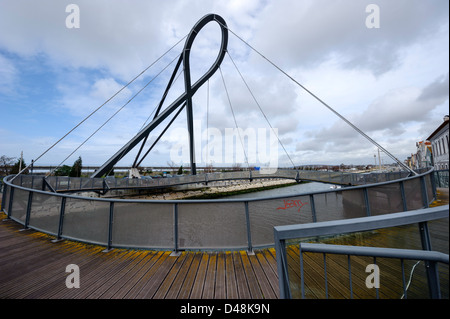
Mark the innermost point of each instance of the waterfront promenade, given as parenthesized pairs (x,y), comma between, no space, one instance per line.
(32,266)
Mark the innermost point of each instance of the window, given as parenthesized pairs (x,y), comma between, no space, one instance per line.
(446,136)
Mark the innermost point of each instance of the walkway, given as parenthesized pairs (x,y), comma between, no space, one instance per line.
(32,266)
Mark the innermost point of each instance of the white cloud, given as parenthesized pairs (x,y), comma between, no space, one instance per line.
(8,75)
(308,33)
(392,82)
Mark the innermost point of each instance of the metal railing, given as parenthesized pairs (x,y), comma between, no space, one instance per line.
(103,185)
(441,178)
(197,224)
(422,216)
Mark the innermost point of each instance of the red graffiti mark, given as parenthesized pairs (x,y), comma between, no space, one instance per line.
(292,203)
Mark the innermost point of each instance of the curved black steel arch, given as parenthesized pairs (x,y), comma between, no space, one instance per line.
(183,100)
(190,90)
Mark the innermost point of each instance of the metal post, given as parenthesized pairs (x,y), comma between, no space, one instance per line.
(4,197)
(110,226)
(402,191)
(433,185)
(366,201)
(175,252)
(431,267)
(424,192)
(249,234)
(302,273)
(11,199)
(61,219)
(283,277)
(313,207)
(27,217)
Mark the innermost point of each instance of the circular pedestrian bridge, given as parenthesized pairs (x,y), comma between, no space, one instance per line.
(58,206)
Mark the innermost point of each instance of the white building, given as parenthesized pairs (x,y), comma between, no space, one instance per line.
(440,145)
(423,156)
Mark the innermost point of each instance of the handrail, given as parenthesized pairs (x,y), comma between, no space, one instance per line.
(360,224)
(6,180)
(421,216)
(412,254)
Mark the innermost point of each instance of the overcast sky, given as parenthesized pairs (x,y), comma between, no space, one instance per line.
(391,81)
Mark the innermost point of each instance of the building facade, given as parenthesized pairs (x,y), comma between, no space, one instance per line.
(440,145)
(423,157)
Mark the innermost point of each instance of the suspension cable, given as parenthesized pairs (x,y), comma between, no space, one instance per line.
(115,113)
(259,106)
(234,117)
(98,108)
(323,103)
(154,110)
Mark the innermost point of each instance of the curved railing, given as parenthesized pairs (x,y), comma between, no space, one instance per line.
(80,184)
(198,224)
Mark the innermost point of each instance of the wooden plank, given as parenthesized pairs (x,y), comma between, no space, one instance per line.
(170,277)
(110,275)
(123,283)
(243,289)
(143,277)
(220,287)
(188,283)
(255,291)
(294,269)
(157,278)
(122,270)
(92,274)
(180,278)
(230,277)
(262,279)
(210,279)
(197,289)
(271,275)
(36,283)
(135,282)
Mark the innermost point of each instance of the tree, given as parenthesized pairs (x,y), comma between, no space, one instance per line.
(5,165)
(180,170)
(18,166)
(63,170)
(75,171)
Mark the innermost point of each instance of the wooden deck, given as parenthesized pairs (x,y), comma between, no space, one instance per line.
(32,266)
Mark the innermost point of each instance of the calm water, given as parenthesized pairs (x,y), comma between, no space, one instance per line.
(289,190)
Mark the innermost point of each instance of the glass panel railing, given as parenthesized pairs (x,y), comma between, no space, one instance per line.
(265,214)
(385,199)
(143,225)
(45,212)
(212,225)
(86,220)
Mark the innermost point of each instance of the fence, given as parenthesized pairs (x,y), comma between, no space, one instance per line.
(441,178)
(196,224)
(431,258)
(103,185)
